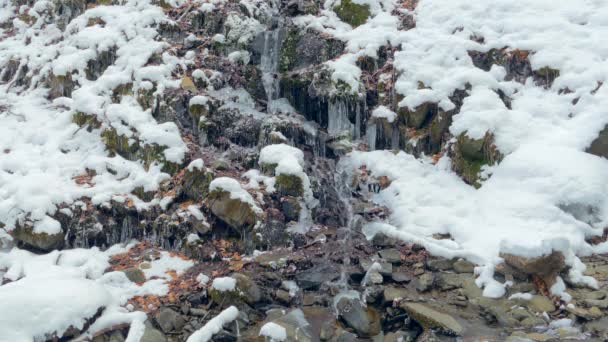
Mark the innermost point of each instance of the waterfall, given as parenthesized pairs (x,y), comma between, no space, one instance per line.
(269,64)
(337,117)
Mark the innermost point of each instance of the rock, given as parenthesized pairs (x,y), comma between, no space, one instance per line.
(364,320)
(439,264)
(296,326)
(390,255)
(352,13)
(196,183)
(401,277)
(291,208)
(547,267)
(233,211)
(599,146)
(25,234)
(463,266)
(152,335)
(425,282)
(250,292)
(430,318)
(598,327)
(135,275)
(588,314)
(391,293)
(400,336)
(169,320)
(450,281)
(600,303)
(312,278)
(188,85)
(289,185)
(539,304)
(382,240)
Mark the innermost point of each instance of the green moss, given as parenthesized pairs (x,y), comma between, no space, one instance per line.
(351,13)
(147,154)
(288,50)
(197,111)
(289,185)
(87,121)
(471,149)
(196,183)
(268,168)
(416,118)
(470,171)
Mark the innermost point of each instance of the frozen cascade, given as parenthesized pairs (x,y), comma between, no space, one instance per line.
(269,63)
(337,117)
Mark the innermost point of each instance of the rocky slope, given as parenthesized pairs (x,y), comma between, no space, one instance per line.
(313,171)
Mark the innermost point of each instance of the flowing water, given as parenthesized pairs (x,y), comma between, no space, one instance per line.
(269,64)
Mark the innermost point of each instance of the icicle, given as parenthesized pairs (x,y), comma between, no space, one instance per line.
(371,132)
(337,117)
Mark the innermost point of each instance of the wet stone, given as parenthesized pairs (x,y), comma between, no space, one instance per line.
(314,277)
(424,282)
(401,277)
(391,255)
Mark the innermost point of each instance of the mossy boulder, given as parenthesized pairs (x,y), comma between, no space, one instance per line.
(470,156)
(417,117)
(289,185)
(196,183)
(87,121)
(352,13)
(197,111)
(25,235)
(133,150)
(234,212)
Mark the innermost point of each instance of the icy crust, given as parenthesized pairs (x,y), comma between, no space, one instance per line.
(69,288)
(42,149)
(527,208)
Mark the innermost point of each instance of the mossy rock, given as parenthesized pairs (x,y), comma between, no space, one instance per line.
(548,73)
(188,84)
(225,298)
(419,116)
(471,149)
(599,146)
(234,212)
(142,194)
(287,56)
(197,111)
(289,185)
(351,13)
(268,168)
(39,241)
(87,121)
(196,183)
(147,154)
(60,85)
(469,171)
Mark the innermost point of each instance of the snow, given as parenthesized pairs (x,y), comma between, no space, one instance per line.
(520,207)
(384,112)
(42,149)
(224,284)
(274,332)
(519,295)
(196,164)
(235,189)
(198,99)
(159,267)
(67,288)
(215,325)
(47,225)
(202,279)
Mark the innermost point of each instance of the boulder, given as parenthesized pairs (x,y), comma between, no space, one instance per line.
(39,241)
(430,318)
(546,267)
(169,320)
(233,211)
(365,320)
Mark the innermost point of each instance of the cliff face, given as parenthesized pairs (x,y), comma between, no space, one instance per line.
(220,128)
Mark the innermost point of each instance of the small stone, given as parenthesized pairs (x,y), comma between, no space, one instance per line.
(391,293)
(463,266)
(439,264)
(314,277)
(135,275)
(152,335)
(401,277)
(424,282)
(539,304)
(391,255)
(283,296)
(400,336)
(382,240)
(145,265)
(364,320)
(169,320)
(198,312)
(375,277)
(187,84)
(249,290)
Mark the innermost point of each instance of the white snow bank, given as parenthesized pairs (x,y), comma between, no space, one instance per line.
(224,284)
(196,164)
(530,206)
(235,189)
(289,159)
(54,305)
(159,267)
(275,332)
(215,325)
(66,288)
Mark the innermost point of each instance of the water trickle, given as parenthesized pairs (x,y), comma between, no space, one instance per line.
(371,136)
(349,219)
(337,117)
(269,64)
